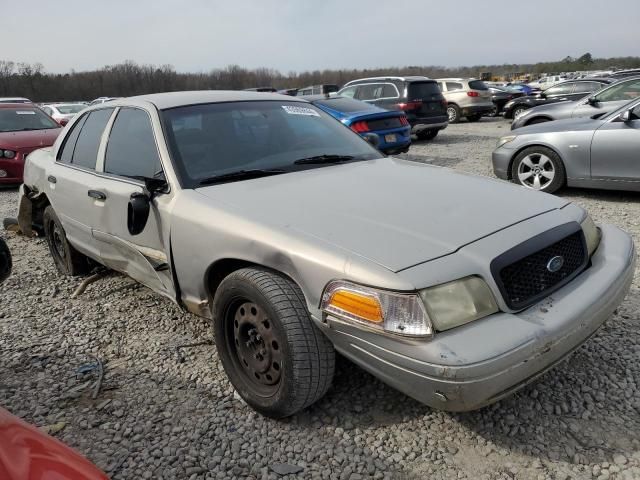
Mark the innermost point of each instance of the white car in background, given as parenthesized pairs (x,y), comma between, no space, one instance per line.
(63,112)
(547,81)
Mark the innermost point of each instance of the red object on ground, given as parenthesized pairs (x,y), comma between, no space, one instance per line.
(27,453)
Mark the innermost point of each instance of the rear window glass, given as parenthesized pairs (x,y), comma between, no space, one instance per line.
(477,85)
(86,151)
(423,90)
(346,105)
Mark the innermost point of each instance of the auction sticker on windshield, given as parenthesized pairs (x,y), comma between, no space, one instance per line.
(300,111)
(25,112)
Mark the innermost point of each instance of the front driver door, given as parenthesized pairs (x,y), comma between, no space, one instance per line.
(614,150)
(131,154)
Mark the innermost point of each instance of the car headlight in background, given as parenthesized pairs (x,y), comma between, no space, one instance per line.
(591,234)
(387,312)
(7,153)
(504,140)
(455,303)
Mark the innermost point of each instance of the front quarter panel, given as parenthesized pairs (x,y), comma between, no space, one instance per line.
(205,231)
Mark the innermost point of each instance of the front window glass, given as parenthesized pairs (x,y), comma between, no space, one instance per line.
(24,119)
(556,90)
(626,90)
(131,149)
(220,138)
(348,92)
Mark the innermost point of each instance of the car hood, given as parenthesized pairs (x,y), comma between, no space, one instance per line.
(566,125)
(396,213)
(30,139)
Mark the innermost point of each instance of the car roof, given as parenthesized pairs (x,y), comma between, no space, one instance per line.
(195,97)
(18,105)
(411,78)
(468,79)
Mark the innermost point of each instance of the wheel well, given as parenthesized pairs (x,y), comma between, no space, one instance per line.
(219,270)
(518,152)
(539,117)
(39,201)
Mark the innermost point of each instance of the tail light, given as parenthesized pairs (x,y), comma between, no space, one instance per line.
(413,105)
(404,121)
(473,94)
(360,127)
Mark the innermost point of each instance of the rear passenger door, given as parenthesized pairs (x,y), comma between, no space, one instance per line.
(72,183)
(131,154)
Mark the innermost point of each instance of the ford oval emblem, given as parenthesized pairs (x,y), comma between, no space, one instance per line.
(555,263)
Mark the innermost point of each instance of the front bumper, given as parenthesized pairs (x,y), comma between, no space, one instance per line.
(437,122)
(477,364)
(501,160)
(11,170)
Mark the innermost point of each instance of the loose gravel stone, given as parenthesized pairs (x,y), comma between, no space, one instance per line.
(157,417)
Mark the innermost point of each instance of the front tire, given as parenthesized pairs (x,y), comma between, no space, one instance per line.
(274,355)
(67,259)
(518,111)
(538,168)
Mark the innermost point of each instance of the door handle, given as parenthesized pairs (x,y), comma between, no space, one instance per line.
(98,195)
(52,179)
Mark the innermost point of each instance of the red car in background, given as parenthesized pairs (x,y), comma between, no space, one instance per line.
(26,453)
(23,128)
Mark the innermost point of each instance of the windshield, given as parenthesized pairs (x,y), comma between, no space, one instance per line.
(71,108)
(19,119)
(220,138)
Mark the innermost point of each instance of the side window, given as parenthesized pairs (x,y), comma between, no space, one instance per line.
(453,86)
(587,87)
(623,91)
(131,149)
(86,151)
(348,92)
(389,91)
(368,92)
(557,90)
(66,153)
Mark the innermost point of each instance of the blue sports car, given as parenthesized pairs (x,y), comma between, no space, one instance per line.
(392,127)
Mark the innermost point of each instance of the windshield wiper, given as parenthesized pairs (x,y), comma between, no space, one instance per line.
(324,159)
(240,175)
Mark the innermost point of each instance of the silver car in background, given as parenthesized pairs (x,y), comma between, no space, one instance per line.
(298,239)
(596,104)
(579,152)
(63,112)
(466,97)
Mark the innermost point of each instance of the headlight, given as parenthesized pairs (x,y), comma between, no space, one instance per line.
(456,303)
(591,234)
(8,153)
(390,312)
(507,139)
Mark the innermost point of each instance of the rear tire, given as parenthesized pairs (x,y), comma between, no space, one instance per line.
(538,168)
(453,112)
(67,259)
(427,134)
(274,355)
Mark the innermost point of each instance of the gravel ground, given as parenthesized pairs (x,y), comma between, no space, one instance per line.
(167,412)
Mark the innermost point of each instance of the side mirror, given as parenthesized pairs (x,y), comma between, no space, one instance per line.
(137,212)
(372,139)
(626,116)
(593,101)
(541,95)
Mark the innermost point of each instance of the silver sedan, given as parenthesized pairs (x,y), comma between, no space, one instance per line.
(299,239)
(580,152)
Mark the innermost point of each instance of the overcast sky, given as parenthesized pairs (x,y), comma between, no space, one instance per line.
(198,35)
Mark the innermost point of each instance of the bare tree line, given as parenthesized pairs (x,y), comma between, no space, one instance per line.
(130,78)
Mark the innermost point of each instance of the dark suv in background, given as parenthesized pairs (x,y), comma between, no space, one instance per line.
(419,97)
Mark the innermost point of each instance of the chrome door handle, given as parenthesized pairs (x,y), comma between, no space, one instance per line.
(98,195)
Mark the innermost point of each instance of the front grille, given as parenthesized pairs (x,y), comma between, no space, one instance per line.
(384,123)
(529,278)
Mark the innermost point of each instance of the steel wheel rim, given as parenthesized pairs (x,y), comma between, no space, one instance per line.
(256,346)
(536,171)
(518,112)
(451,112)
(57,240)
